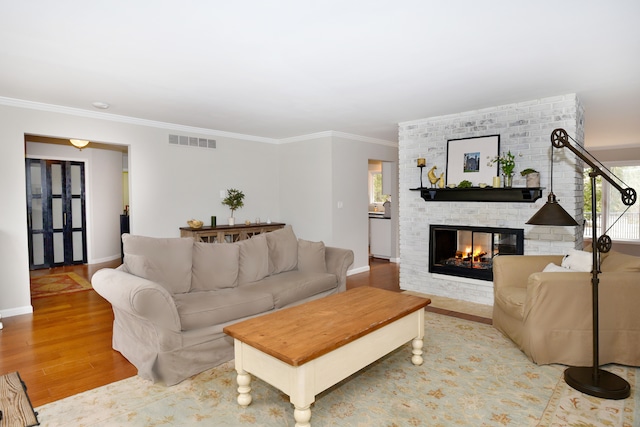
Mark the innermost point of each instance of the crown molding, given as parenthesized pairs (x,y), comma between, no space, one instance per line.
(337,134)
(31,105)
(79,112)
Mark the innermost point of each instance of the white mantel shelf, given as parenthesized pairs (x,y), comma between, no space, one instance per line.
(476,194)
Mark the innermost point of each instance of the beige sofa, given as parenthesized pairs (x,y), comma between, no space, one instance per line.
(549,314)
(172,297)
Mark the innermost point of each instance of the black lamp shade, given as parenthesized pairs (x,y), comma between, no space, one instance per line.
(552,214)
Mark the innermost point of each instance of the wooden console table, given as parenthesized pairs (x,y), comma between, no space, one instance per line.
(228,233)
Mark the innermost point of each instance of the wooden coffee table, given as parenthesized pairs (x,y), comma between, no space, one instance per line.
(304,350)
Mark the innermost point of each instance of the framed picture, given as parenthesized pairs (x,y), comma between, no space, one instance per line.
(468,158)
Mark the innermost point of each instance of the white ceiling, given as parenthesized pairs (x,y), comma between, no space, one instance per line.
(280,69)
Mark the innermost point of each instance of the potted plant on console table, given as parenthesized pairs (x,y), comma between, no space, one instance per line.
(234,200)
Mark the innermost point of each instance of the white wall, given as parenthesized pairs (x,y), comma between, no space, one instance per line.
(350,160)
(103,189)
(168,184)
(305,188)
(318,172)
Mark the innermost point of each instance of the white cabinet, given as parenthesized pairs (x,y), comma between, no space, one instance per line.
(380,240)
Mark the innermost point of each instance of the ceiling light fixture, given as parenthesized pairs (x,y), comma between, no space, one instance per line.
(79,143)
(101,105)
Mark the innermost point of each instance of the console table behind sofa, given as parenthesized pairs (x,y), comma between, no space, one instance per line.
(228,233)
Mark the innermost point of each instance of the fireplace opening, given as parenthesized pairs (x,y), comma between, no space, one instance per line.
(465,251)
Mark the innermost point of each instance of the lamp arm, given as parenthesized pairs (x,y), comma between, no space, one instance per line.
(560,138)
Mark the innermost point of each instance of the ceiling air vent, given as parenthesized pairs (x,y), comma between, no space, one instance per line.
(190,141)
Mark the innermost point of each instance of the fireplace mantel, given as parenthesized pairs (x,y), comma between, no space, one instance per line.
(514,194)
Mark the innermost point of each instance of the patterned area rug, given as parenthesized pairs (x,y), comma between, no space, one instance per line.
(59,283)
(471,376)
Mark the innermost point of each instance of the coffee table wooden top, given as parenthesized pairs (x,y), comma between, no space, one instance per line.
(302,333)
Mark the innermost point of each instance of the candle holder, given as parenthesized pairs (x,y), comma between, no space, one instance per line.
(421,167)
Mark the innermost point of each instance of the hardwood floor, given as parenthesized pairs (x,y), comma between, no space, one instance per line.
(64,347)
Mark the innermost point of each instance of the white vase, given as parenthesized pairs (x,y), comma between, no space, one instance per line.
(533,180)
(232,221)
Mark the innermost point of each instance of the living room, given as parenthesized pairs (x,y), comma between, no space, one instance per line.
(302,168)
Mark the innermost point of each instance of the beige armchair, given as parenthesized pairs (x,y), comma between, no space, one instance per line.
(549,315)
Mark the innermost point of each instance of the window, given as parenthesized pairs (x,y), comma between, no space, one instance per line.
(609,206)
(376,188)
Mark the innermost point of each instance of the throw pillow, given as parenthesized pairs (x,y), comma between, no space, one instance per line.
(166,261)
(551,267)
(311,256)
(577,260)
(283,250)
(254,259)
(215,266)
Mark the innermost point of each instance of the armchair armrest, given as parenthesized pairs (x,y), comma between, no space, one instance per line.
(338,261)
(138,297)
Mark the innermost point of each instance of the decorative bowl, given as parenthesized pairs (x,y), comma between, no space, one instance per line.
(195,223)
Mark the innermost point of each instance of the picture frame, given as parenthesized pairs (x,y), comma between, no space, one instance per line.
(468,158)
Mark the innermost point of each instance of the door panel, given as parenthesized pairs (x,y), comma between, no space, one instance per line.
(56,213)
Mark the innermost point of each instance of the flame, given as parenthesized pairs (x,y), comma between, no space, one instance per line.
(476,253)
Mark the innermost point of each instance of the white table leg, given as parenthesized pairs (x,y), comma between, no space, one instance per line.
(417,345)
(244,387)
(302,416)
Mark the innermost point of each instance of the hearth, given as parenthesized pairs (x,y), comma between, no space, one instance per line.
(465,251)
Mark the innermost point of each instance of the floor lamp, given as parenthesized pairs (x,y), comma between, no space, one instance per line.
(589,380)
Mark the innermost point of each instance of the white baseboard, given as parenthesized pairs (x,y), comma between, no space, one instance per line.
(10,312)
(101,260)
(358,270)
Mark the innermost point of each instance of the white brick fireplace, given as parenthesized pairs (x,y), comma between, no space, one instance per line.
(525,129)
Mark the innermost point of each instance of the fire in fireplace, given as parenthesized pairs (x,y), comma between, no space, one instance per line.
(465,251)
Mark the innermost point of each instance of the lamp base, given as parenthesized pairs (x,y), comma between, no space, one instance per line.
(606,386)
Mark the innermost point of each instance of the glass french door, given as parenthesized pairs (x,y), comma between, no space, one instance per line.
(56,216)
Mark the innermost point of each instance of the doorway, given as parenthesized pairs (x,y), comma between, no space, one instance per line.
(56,213)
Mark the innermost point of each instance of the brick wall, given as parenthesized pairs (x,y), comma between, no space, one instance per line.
(525,129)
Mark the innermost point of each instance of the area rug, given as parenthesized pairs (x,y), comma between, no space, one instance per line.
(15,406)
(471,376)
(59,283)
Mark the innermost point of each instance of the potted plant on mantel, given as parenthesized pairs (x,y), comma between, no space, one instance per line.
(532,176)
(234,200)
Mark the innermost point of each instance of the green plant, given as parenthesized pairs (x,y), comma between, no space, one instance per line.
(464,184)
(527,171)
(234,200)
(507,162)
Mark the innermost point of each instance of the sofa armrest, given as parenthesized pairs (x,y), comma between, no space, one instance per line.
(514,270)
(138,297)
(338,261)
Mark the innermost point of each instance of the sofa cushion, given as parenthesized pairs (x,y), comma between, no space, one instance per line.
(292,286)
(254,259)
(283,250)
(166,261)
(311,256)
(616,261)
(215,266)
(203,309)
